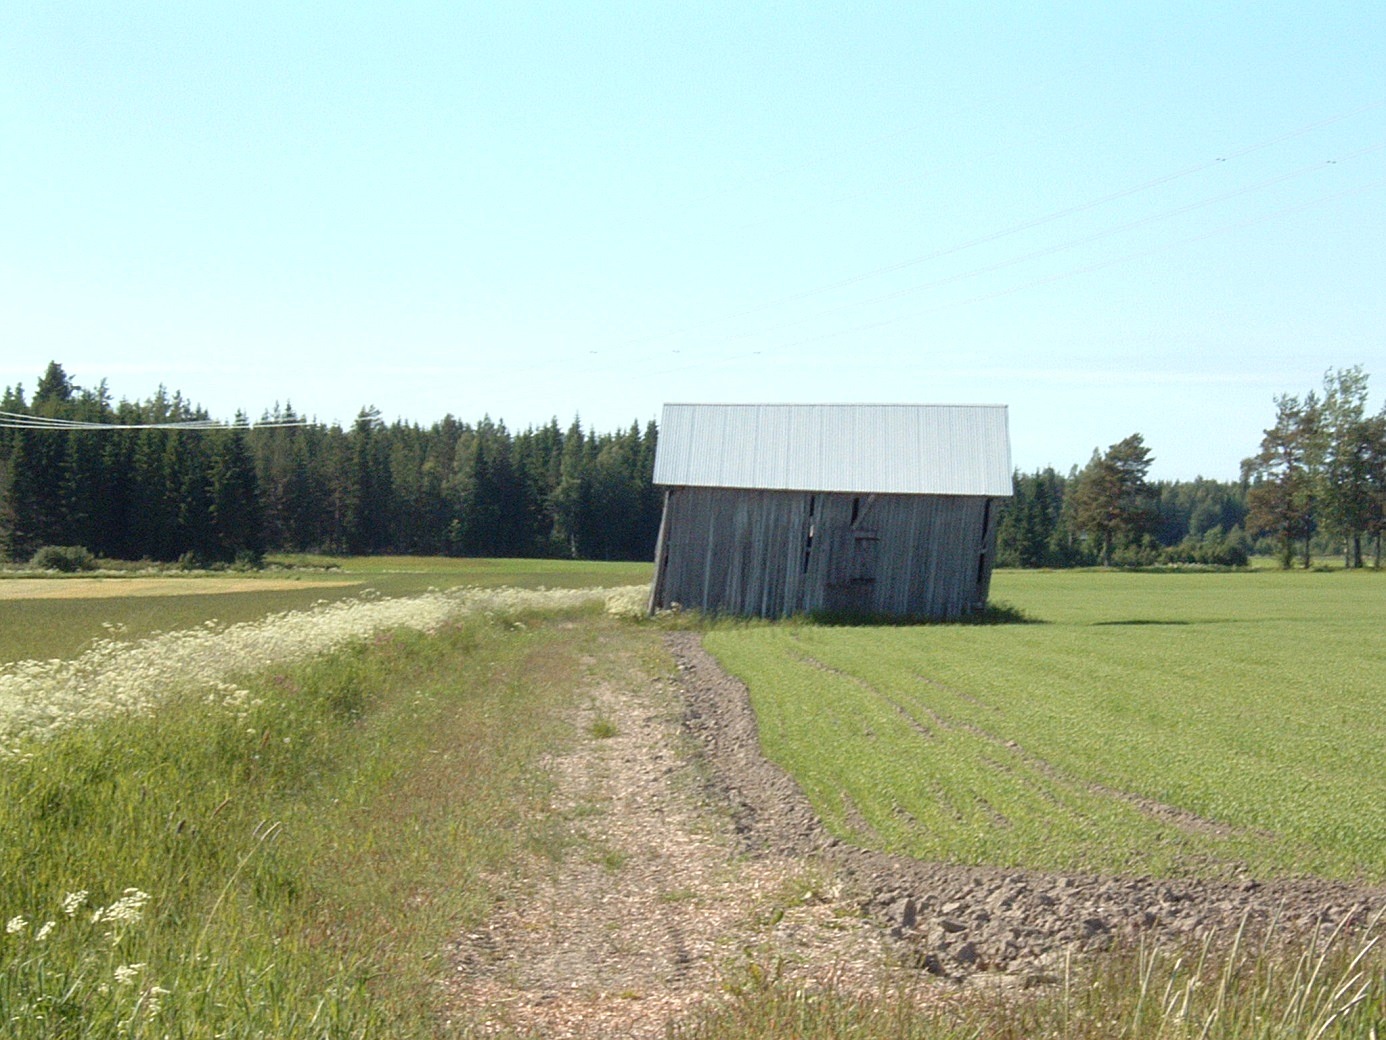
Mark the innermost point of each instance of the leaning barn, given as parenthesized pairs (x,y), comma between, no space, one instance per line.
(772,510)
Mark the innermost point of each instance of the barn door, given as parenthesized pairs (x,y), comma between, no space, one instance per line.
(852,581)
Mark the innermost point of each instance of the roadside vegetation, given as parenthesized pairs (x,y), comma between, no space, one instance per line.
(1332,989)
(287,852)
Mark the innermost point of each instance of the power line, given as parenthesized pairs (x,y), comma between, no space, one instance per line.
(20,421)
(1082,241)
(1035,283)
(1013,229)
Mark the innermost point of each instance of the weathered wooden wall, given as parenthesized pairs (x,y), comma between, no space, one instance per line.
(776,553)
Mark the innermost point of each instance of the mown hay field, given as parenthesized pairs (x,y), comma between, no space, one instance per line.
(1175,724)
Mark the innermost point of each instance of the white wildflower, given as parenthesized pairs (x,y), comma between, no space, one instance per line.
(154,997)
(42,933)
(15,924)
(125,974)
(128,909)
(73,901)
(630,601)
(38,698)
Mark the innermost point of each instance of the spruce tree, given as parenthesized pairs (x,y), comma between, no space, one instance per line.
(236,524)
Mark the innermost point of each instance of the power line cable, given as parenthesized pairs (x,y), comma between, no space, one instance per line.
(1013,229)
(1085,240)
(21,421)
(1110,262)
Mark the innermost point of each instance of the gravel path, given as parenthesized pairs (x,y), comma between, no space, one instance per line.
(684,865)
(655,902)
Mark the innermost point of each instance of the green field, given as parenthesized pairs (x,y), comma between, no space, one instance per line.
(1170,724)
(40,628)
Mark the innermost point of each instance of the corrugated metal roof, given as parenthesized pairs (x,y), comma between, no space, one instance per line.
(912,449)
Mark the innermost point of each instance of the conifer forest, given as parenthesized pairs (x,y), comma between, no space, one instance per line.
(287,484)
(158,480)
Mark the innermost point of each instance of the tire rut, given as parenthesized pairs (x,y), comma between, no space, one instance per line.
(652,902)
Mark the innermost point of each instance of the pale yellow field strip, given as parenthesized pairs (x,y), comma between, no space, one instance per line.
(110,588)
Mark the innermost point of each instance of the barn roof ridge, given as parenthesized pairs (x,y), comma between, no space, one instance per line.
(834,404)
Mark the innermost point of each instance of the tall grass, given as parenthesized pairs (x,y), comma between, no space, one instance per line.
(1330,987)
(284,857)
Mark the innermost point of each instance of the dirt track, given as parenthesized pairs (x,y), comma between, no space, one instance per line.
(686,864)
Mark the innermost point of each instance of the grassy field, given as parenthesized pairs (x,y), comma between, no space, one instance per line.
(36,624)
(1174,724)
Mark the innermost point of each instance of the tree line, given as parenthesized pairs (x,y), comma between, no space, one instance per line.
(1321,471)
(286,484)
(1108,513)
(222,495)
(1317,485)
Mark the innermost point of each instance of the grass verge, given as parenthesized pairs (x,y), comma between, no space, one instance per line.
(285,858)
(39,629)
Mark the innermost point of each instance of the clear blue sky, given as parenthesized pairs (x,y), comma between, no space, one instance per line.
(1114,217)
